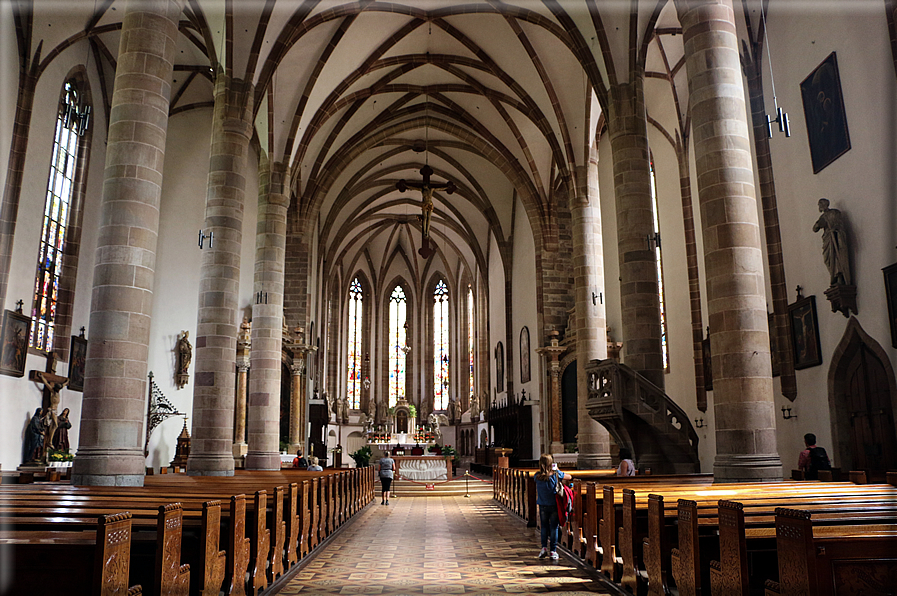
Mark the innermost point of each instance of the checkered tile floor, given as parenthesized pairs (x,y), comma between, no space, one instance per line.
(449,545)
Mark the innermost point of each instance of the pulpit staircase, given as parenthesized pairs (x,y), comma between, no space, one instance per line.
(642,418)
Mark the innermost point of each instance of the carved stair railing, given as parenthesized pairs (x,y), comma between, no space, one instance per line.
(641,417)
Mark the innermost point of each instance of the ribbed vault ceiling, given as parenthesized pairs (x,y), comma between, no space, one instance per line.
(502,98)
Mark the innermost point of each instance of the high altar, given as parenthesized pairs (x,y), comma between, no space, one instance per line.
(411,463)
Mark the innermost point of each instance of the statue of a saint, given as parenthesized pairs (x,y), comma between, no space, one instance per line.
(34,438)
(184,355)
(367,423)
(835,249)
(344,410)
(382,412)
(61,437)
(474,408)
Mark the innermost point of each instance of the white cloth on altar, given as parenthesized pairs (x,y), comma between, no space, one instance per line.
(423,469)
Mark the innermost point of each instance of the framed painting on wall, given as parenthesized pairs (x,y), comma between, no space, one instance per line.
(891,294)
(525,375)
(825,114)
(805,333)
(14,347)
(77,360)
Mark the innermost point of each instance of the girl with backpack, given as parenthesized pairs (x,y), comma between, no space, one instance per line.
(547,479)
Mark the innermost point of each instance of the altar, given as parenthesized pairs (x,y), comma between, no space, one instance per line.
(423,467)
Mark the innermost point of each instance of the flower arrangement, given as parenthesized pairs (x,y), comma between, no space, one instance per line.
(449,450)
(56,455)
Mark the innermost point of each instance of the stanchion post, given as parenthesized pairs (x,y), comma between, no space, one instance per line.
(467,484)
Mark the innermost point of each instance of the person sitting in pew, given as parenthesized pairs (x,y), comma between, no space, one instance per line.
(299,461)
(627,466)
(313,465)
(813,458)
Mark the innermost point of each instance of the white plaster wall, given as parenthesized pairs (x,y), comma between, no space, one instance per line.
(524,314)
(19,397)
(497,312)
(178,260)
(861,183)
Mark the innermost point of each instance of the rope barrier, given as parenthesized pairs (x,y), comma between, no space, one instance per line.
(444,481)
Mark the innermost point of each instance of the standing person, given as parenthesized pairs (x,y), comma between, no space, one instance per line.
(299,461)
(313,465)
(813,458)
(387,467)
(547,479)
(627,466)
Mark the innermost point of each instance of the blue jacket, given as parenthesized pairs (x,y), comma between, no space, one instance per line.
(547,489)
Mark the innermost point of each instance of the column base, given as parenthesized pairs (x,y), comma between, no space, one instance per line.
(262,460)
(556,447)
(594,461)
(210,465)
(240,450)
(108,467)
(765,467)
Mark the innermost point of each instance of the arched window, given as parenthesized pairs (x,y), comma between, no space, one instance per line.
(659,260)
(440,346)
(471,333)
(72,120)
(353,386)
(397,345)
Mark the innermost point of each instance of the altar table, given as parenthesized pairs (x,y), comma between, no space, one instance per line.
(423,467)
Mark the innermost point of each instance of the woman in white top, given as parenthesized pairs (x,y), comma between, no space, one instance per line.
(627,466)
(313,465)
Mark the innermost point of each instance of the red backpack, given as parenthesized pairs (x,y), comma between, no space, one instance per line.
(564,498)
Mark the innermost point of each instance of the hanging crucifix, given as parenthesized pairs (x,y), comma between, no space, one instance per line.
(426,205)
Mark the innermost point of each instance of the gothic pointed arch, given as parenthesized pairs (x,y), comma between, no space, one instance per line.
(862,394)
(398,334)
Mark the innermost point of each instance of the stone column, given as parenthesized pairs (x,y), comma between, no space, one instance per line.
(211,448)
(591,322)
(297,405)
(639,301)
(240,446)
(554,412)
(114,404)
(736,296)
(267,323)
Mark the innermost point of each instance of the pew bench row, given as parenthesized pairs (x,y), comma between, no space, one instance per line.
(176,526)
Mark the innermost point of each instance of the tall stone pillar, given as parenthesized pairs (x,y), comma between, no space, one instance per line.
(639,300)
(211,449)
(267,323)
(244,344)
(110,452)
(591,321)
(739,338)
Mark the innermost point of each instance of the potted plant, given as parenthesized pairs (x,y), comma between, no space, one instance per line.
(362,457)
(449,450)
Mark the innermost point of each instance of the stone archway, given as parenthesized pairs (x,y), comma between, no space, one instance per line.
(862,402)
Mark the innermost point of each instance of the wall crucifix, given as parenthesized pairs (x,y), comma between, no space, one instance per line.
(426,205)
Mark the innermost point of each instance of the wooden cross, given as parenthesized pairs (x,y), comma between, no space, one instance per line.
(48,377)
(426,190)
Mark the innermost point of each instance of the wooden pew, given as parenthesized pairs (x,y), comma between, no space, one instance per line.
(173,579)
(729,575)
(213,562)
(655,549)
(97,561)
(686,557)
(846,560)
(238,550)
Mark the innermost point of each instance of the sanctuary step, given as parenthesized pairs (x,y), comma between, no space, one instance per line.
(452,488)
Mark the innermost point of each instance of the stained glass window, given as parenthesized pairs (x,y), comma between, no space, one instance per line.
(658,259)
(440,347)
(353,388)
(71,123)
(470,335)
(397,345)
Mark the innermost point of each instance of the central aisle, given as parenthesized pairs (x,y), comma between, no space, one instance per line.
(433,545)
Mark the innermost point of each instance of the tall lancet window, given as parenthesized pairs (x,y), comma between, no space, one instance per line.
(470,338)
(71,124)
(440,346)
(397,345)
(353,388)
(659,261)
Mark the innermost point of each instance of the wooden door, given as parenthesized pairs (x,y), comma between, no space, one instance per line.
(872,434)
